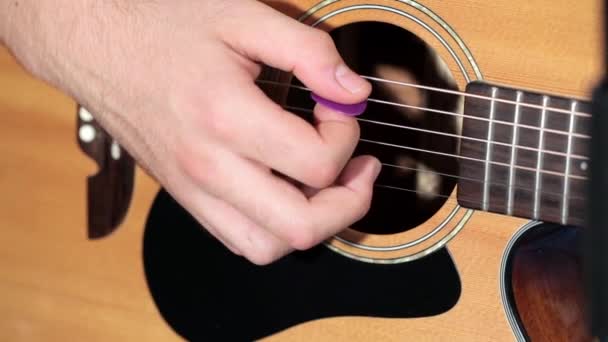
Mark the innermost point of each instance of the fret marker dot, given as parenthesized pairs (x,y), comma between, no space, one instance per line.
(584,166)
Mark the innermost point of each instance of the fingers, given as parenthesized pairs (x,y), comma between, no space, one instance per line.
(212,228)
(277,206)
(237,232)
(286,44)
(244,136)
(268,217)
(261,130)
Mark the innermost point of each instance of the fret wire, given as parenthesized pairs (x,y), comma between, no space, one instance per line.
(513,155)
(487,174)
(557,153)
(437,111)
(565,202)
(539,159)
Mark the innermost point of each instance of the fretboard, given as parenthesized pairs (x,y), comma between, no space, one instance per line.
(524,154)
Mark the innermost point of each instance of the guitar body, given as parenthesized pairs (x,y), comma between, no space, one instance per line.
(204,292)
(489,277)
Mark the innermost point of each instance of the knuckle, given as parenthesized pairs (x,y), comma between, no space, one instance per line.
(216,123)
(265,253)
(322,39)
(261,248)
(197,165)
(317,40)
(204,112)
(262,257)
(350,133)
(362,205)
(301,236)
(353,133)
(325,162)
(323,172)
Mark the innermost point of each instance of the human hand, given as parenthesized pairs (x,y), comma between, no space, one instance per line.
(173,82)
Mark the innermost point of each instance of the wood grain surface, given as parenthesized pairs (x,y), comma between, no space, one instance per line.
(55,285)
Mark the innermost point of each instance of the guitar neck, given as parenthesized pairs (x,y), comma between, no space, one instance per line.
(524,154)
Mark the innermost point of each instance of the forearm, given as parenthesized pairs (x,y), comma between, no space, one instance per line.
(64,42)
(24,29)
(39,33)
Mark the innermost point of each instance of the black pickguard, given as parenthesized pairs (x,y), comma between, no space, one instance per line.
(206,293)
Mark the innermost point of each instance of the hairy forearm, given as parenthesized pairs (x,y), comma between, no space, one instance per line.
(59,41)
(25,30)
(42,34)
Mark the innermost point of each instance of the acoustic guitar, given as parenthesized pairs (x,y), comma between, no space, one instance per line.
(480,117)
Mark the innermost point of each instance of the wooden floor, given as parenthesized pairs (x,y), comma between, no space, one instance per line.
(55,285)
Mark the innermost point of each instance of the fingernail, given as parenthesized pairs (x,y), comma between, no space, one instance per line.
(349,80)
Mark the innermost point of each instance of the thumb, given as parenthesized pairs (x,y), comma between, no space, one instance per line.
(279,41)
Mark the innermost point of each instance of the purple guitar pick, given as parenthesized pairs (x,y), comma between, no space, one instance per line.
(347,109)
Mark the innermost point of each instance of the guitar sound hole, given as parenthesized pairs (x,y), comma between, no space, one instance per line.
(412,185)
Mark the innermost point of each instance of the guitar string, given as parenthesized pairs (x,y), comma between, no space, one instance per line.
(477,118)
(460,115)
(465,94)
(451,155)
(487,98)
(485,141)
(459,177)
(456,200)
(412,190)
(535,190)
(443,112)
